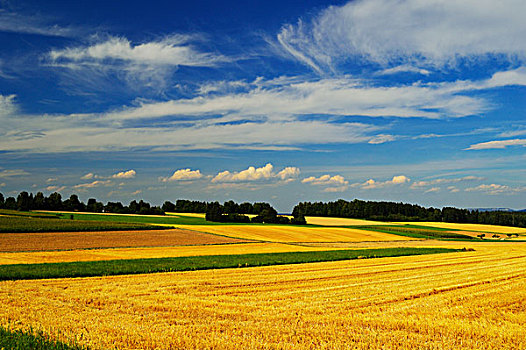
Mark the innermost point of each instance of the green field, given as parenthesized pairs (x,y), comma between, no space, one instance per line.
(16,339)
(137,266)
(15,224)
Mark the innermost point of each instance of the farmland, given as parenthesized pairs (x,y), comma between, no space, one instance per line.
(470,298)
(280,233)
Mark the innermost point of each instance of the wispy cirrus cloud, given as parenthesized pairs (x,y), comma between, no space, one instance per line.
(496,189)
(411,31)
(442,181)
(14,22)
(149,64)
(497,144)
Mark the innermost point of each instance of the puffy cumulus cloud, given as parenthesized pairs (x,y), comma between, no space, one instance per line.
(253,174)
(325,180)
(129,174)
(336,183)
(497,144)
(421,184)
(496,189)
(96,183)
(373,184)
(432,32)
(183,175)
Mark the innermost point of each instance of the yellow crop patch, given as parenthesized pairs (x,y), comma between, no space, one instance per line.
(329,221)
(284,233)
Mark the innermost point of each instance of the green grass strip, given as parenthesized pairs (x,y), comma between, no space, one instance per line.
(17,339)
(16,224)
(136,266)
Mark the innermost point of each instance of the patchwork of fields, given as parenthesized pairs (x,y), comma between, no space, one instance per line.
(472,299)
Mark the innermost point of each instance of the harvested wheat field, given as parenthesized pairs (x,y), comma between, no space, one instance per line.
(331,221)
(18,242)
(148,253)
(283,233)
(470,227)
(465,300)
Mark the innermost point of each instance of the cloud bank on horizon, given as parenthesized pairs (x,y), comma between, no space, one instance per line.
(344,97)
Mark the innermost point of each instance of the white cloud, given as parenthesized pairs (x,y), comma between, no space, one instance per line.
(496,189)
(55,188)
(183,175)
(404,69)
(88,176)
(17,23)
(325,180)
(148,64)
(498,144)
(381,138)
(129,174)
(432,189)
(171,51)
(373,184)
(421,184)
(336,183)
(12,173)
(96,183)
(253,174)
(51,179)
(3,184)
(431,32)
(7,105)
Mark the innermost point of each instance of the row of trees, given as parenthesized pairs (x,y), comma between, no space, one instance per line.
(27,201)
(391,211)
(230,207)
(265,213)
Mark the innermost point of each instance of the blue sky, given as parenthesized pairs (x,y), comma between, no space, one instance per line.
(413,101)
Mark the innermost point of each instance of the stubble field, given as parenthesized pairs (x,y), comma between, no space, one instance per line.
(467,300)
(474,299)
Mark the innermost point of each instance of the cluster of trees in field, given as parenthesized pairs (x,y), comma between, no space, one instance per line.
(231,211)
(27,201)
(392,211)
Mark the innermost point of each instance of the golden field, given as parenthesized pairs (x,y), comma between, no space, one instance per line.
(148,253)
(469,227)
(465,300)
(284,233)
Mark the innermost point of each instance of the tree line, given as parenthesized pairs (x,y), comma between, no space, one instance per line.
(231,211)
(27,201)
(392,211)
